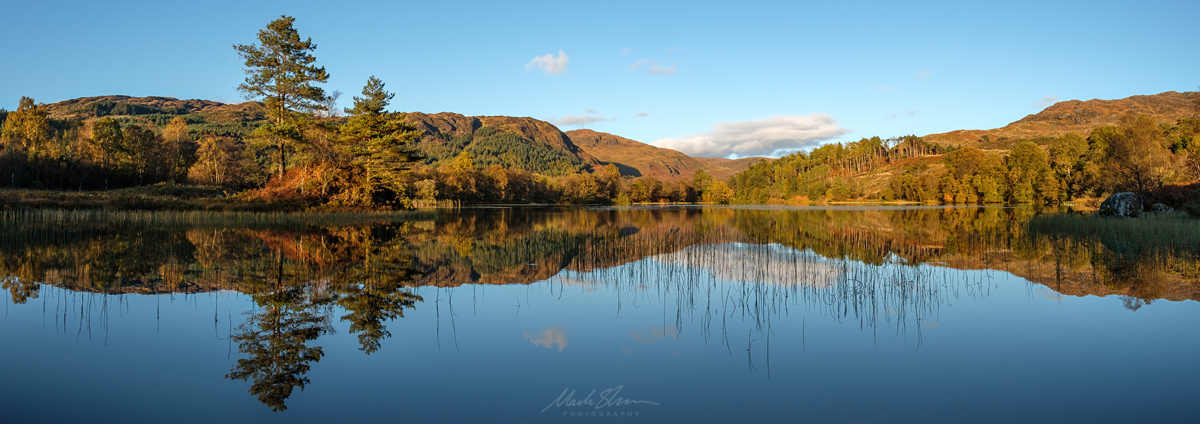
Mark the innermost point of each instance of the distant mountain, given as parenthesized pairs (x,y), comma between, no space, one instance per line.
(635,158)
(94,107)
(516,142)
(1076,116)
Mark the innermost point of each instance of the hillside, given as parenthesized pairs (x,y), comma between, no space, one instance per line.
(515,142)
(1075,116)
(522,143)
(635,158)
(202,110)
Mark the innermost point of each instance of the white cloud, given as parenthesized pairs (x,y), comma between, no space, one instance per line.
(909,112)
(1044,101)
(642,114)
(924,74)
(772,136)
(584,120)
(550,64)
(626,51)
(579,120)
(886,88)
(651,67)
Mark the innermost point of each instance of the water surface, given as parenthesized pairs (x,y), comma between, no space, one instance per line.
(680,314)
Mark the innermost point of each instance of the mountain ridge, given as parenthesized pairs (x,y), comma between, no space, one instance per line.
(539,146)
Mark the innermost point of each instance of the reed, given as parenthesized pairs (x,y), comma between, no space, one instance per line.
(62,219)
(1173,234)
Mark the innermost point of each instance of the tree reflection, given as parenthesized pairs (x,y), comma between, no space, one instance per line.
(276,339)
(379,265)
(20,289)
(370,305)
(363,270)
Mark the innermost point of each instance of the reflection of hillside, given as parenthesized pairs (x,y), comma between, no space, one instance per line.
(522,246)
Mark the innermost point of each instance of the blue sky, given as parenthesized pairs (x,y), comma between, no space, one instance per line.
(716,79)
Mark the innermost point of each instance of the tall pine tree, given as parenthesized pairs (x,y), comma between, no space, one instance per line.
(281,72)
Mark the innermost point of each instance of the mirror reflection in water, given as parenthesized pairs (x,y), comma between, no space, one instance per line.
(522,302)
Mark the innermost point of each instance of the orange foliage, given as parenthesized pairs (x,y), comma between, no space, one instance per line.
(307,184)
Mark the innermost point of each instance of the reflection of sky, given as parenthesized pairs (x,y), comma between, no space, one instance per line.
(771,264)
(734,262)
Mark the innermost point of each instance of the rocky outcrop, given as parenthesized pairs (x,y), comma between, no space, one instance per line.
(1128,205)
(449,124)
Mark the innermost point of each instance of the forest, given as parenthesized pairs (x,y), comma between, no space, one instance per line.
(1138,156)
(293,146)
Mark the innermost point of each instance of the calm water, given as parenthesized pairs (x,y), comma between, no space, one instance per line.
(572,315)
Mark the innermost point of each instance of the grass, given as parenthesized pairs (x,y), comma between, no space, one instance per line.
(1138,256)
(158,197)
(60,219)
(1166,233)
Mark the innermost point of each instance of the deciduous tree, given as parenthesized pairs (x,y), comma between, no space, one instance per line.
(1140,157)
(175,141)
(108,141)
(26,129)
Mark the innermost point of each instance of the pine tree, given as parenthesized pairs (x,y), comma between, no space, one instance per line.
(281,72)
(380,146)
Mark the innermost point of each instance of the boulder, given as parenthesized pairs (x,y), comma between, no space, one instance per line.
(1159,207)
(1122,204)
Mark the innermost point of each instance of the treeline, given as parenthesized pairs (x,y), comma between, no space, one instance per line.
(39,152)
(1139,156)
(826,172)
(464,181)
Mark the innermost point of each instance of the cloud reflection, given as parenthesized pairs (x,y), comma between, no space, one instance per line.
(653,334)
(549,337)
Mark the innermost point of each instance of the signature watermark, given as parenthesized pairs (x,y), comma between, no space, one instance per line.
(603,405)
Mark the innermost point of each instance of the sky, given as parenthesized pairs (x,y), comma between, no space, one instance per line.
(715,79)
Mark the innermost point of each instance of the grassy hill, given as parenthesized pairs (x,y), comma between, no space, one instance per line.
(1075,116)
(202,116)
